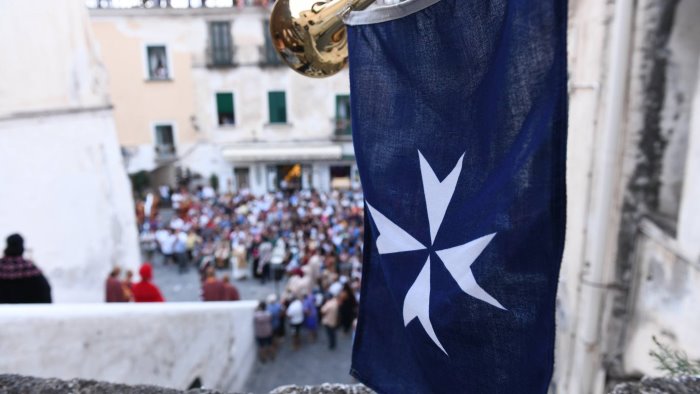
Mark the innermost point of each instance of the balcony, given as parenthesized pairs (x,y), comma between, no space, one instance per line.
(165,153)
(220,58)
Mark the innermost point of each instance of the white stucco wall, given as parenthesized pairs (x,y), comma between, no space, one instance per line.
(161,344)
(587,34)
(49,60)
(205,158)
(65,190)
(680,86)
(667,296)
(64,187)
(689,217)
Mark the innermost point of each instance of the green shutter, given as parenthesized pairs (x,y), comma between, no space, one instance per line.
(224,102)
(278,107)
(224,108)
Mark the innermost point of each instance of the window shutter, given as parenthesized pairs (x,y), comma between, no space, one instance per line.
(278,107)
(221,47)
(224,102)
(225,109)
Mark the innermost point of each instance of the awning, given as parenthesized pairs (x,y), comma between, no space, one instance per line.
(283,153)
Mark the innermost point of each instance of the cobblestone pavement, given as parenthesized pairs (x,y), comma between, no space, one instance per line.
(313,363)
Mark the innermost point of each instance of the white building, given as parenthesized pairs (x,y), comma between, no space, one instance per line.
(202,90)
(63,184)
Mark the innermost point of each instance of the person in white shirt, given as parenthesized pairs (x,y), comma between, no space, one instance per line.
(167,246)
(295,313)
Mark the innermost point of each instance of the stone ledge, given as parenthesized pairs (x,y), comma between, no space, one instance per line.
(676,385)
(15,384)
(326,388)
(11,384)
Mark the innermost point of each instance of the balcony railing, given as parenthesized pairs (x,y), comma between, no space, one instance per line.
(220,57)
(165,152)
(177,3)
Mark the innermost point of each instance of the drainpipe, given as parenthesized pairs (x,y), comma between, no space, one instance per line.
(587,369)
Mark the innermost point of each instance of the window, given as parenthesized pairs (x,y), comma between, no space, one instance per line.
(278,107)
(157,58)
(221,50)
(270,56)
(343,122)
(289,177)
(165,141)
(224,108)
(242,177)
(340,177)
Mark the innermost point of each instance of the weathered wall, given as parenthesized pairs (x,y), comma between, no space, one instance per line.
(49,60)
(63,183)
(662,85)
(167,345)
(587,34)
(604,321)
(688,223)
(682,54)
(665,297)
(65,190)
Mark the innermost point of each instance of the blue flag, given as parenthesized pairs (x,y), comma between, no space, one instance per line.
(459,112)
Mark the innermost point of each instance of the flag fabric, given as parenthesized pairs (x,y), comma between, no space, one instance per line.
(459,112)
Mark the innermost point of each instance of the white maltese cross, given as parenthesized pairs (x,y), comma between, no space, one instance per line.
(457,260)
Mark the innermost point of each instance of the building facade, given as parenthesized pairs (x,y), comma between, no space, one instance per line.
(201,92)
(63,185)
(631,268)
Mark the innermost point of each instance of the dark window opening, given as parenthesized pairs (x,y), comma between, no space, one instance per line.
(289,177)
(157,62)
(341,177)
(165,141)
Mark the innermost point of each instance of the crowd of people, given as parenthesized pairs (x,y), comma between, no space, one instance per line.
(309,240)
(125,290)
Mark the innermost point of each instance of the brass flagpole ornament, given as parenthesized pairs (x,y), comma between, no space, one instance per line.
(310,35)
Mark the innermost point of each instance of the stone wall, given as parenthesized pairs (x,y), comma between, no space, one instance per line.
(22,384)
(10,384)
(679,385)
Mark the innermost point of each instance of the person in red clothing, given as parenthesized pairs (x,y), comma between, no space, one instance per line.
(145,291)
(230,291)
(114,292)
(212,288)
